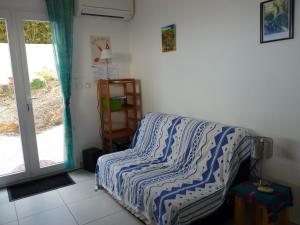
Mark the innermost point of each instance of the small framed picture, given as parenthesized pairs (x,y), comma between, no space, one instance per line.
(168,38)
(276,20)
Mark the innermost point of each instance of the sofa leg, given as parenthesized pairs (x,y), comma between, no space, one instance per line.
(98,187)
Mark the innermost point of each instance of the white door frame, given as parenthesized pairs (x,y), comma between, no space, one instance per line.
(15,33)
(35,168)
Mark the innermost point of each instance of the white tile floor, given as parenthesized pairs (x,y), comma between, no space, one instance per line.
(77,204)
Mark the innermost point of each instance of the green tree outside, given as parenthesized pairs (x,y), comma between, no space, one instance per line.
(34,32)
(37,32)
(3,37)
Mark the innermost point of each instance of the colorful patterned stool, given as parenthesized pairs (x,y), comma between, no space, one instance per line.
(274,206)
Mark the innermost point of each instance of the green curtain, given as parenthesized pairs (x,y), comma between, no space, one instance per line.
(61,15)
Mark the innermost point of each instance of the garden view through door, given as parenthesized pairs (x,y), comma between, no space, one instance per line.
(11,152)
(45,92)
(31,129)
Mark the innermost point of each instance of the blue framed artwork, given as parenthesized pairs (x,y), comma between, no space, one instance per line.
(276,20)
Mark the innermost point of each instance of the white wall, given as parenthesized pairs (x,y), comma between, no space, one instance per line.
(5,63)
(28,5)
(84,95)
(34,61)
(221,72)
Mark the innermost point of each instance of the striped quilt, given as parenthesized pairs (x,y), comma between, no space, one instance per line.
(177,170)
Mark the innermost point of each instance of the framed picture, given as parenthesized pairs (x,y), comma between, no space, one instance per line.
(98,44)
(168,38)
(276,20)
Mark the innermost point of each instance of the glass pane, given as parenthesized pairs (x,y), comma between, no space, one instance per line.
(45,92)
(11,153)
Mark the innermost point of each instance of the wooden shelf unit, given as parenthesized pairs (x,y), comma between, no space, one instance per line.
(129,109)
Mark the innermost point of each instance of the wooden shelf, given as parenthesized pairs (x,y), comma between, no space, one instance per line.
(128,107)
(118,97)
(121,81)
(124,108)
(120,133)
(130,94)
(129,110)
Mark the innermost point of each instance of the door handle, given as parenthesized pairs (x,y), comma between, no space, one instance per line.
(29,103)
(28,107)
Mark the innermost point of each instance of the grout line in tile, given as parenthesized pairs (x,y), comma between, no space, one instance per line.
(76,201)
(68,208)
(40,212)
(100,218)
(66,204)
(15,207)
(88,197)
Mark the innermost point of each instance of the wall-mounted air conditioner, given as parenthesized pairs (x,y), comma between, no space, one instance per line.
(115,9)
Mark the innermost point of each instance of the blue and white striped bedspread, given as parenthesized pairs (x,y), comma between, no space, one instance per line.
(177,170)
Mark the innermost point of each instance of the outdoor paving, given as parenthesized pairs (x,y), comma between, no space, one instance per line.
(50,149)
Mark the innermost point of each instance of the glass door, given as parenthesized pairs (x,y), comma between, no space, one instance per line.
(14,160)
(43,93)
(11,160)
(31,129)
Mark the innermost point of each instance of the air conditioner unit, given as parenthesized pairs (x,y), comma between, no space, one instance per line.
(115,9)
